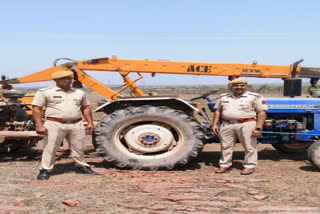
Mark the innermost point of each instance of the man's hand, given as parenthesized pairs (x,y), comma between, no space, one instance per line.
(86,111)
(89,128)
(216,117)
(261,117)
(41,130)
(37,114)
(215,129)
(256,133)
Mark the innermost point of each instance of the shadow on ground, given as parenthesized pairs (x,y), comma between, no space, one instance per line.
(21,155)
(210,157)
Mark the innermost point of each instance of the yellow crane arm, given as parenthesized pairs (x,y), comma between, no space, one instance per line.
(125,66)
(191,68)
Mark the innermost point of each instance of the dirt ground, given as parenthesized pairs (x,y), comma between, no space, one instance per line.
(282,183)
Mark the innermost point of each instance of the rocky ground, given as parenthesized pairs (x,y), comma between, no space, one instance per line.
(283,183)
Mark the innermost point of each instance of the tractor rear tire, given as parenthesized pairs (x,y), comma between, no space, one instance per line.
(292,148)
(314,154)
(148,138)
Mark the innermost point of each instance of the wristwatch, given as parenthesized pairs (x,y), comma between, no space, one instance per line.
(258,129)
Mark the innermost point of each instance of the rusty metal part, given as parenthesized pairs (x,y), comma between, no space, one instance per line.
(309,72)
(19,134)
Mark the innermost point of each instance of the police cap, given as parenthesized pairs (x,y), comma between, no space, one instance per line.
(60,74)
(238,81)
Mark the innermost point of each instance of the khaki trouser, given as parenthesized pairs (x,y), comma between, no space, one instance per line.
(229,134)
(57,132)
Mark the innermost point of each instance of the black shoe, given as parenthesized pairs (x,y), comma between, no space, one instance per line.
(85,170)
(43,175)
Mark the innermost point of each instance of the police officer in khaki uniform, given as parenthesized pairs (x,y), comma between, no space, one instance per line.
(64,107)
(243,114)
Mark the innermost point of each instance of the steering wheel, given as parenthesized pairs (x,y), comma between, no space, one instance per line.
(205,95)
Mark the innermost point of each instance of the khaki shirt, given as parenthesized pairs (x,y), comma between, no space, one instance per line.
(242,107)
(61,104)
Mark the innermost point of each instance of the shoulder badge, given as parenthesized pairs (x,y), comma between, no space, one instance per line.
(223,95)
(254,94)
(44,89)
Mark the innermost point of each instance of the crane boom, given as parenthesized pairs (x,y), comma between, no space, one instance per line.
(126,66)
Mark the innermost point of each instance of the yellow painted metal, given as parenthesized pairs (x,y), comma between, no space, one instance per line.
(40,76)
(95,85)
(127,66)
(130,83)
(188,68)
(26,99)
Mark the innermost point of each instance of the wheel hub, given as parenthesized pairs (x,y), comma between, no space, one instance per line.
(149,139)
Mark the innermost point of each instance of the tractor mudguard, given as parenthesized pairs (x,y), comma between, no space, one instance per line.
(109,106)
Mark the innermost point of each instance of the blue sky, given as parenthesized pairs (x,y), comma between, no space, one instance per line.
(34,33)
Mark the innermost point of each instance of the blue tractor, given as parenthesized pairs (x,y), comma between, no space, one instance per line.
(292,124)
